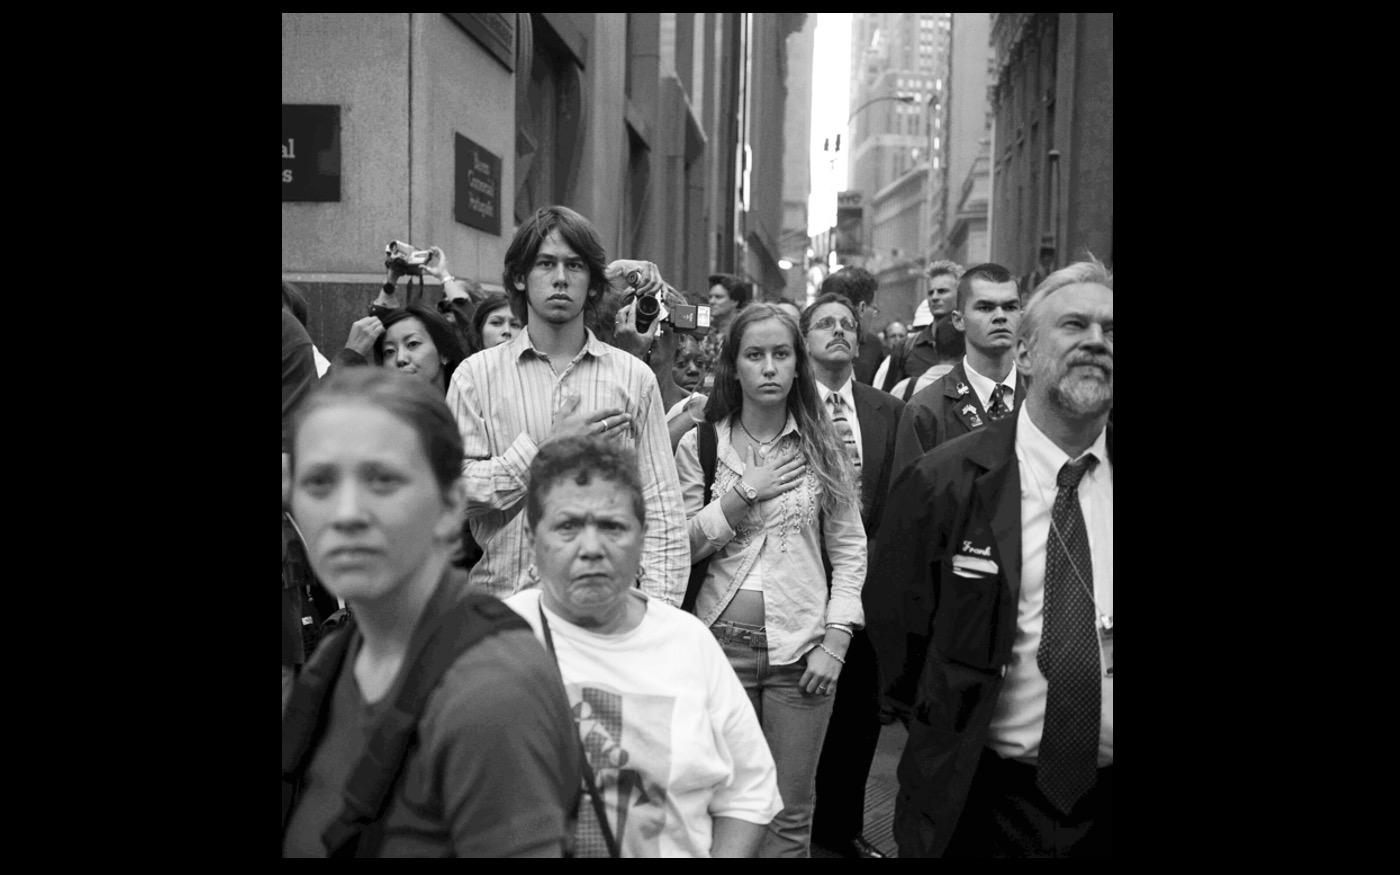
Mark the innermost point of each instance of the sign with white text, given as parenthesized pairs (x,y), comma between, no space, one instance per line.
(310,153)
(477,178)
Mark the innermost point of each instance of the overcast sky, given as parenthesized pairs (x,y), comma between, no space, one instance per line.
(831,61)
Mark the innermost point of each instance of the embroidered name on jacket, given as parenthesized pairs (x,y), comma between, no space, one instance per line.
(973,561)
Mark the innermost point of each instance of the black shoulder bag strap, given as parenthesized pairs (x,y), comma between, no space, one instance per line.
(909,389)
(367,791)
(707,441)
(307,709)
(597,798)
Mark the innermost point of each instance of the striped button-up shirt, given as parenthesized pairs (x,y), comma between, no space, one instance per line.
(504,399)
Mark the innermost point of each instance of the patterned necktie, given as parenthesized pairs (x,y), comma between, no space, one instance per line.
(997,409)
(1069,652)
(843,428)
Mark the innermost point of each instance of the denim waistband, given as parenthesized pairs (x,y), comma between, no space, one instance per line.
(727,631)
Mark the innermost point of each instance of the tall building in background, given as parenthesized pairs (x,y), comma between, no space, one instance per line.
(960,143)
(797,173)
(666,129)
(895,63)
(1052,146)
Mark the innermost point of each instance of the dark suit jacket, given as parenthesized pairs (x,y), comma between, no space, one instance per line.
(938,413)
(918,354)
(943,639)
(868,358)
(878,413)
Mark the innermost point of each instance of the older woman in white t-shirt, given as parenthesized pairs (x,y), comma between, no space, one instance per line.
(676,753)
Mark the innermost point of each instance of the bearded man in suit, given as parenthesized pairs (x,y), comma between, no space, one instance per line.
(990,604)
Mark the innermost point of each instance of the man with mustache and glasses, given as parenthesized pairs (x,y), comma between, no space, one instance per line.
(982,386)
(990,604)
(859,285)
(867,418)
(557,379)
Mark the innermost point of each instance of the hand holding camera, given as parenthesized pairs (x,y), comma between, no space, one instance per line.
(404,259)
(654,299)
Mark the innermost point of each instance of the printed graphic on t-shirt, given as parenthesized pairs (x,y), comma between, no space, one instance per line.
(627,738)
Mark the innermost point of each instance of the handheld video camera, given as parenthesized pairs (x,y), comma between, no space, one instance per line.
(684,318)
(409,259)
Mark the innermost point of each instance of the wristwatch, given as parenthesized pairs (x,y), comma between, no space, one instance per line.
(746,492)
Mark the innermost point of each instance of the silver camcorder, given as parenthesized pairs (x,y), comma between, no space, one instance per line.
(409,259)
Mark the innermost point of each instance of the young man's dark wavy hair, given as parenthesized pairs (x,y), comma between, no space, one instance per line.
(520,256)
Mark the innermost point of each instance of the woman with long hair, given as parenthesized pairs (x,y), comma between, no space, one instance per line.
(783,486)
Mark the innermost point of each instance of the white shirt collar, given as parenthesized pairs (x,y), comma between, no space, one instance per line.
(847,394)
(1045,459)
(983,385)
(591,344)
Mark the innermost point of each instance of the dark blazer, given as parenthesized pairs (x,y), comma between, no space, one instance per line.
(868,358)
(938,413)
(918,354)
(943,639)
(878,413)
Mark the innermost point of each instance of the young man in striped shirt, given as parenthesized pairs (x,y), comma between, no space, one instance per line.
(557,379)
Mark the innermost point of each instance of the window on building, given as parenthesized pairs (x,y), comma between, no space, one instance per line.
(548,137)
(636,192)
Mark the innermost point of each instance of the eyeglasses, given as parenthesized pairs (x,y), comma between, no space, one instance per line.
(826,323)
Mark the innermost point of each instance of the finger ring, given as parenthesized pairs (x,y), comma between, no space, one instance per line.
(605,423)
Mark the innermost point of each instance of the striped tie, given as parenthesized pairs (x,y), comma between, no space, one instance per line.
(843,428)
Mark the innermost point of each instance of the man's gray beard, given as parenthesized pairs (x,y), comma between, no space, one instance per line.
(1082,396)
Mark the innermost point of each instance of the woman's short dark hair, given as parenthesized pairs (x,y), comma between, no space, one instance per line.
(740,290)
(525,245)
(581,458)
(439,329)
(493,302)
(417,403)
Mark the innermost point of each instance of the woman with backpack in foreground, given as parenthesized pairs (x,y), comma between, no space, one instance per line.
(473,752)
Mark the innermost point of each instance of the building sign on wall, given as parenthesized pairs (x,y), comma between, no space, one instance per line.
(477,177)
(310,153)
(494,30)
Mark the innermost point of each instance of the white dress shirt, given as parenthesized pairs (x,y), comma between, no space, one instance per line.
(983,387)
(1020,711)
(849,398)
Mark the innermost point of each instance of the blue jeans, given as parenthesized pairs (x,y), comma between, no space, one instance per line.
(794,723)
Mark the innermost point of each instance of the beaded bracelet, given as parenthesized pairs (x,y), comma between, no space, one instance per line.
(828,652)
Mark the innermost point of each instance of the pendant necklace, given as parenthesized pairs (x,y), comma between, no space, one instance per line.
(762,445)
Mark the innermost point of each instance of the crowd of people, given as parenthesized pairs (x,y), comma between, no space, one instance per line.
(559,582)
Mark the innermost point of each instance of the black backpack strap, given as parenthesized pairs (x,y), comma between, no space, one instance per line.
(909,389)
(307,708)
(707,441)
(368,789)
